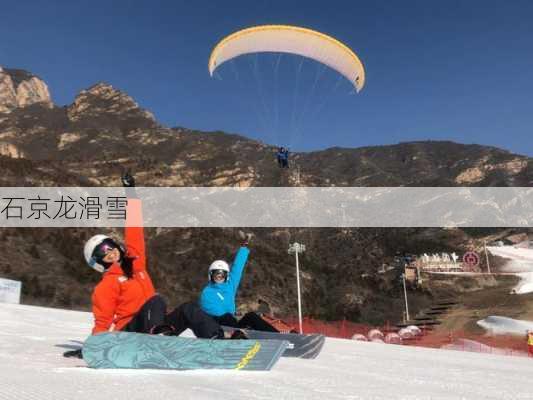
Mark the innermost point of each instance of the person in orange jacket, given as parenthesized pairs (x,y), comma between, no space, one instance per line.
(125,298)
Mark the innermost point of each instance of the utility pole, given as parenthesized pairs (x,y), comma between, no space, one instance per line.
(486,255)
(405,294)
(295,249)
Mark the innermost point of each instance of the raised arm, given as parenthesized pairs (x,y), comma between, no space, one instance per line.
(237,267)
(134,230)
(239,262)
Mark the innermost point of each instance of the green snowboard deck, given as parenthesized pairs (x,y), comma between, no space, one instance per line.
(141,351)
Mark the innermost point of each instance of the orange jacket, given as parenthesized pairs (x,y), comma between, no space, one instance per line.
(117,299)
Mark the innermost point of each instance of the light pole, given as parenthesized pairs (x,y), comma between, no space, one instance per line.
(296,248)
(405,292)
(486,255)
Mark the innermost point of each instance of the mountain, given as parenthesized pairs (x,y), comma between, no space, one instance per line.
(19,89)
(104,131)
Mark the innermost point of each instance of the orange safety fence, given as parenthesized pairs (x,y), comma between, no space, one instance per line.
(507,344)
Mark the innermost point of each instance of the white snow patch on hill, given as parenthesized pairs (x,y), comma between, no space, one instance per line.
(525,285)
(503,325)
(520,263)
(523,255)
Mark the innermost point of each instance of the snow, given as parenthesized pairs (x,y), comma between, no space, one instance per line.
(525,285)
(525,255)
(520,264)
(32,340)
(472,345)
(503,325)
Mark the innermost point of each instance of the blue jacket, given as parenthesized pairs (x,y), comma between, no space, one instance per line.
(283,155)
(219,298)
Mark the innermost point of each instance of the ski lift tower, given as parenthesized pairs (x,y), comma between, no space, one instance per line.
(295,249)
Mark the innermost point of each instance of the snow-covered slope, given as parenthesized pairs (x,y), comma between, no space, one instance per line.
(504,325)
(520,262)
(32,340)
(514,253)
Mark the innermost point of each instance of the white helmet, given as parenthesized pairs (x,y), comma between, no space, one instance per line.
(88,251)
(218,265)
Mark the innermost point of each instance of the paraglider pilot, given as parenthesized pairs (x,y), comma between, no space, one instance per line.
(283,157)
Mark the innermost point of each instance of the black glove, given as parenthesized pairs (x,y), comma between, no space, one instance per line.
(128,180)
(73,353)
(246,237)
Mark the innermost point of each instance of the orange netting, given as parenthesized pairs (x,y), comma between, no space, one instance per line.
(514,345)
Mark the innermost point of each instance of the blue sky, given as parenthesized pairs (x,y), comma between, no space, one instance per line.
(439,70)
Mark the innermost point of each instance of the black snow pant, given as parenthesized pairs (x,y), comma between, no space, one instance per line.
(250,320)
(153,315)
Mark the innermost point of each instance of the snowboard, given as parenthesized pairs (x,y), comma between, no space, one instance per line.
(142,351)
(300,346)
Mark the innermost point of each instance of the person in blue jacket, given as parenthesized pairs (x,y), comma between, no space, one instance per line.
(283,157)
(218,297)
(279,155)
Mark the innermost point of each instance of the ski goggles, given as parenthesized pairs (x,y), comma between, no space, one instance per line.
(219,273)
(103,248)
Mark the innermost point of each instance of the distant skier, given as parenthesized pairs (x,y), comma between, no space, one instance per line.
(125,298)
(218,297)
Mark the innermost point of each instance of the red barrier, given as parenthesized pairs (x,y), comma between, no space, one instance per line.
(514,345)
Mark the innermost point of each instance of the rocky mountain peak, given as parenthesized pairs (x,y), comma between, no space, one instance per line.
(103,100)
(19,88)
(105,91)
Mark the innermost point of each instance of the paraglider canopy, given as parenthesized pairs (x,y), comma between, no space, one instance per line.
(294,40)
